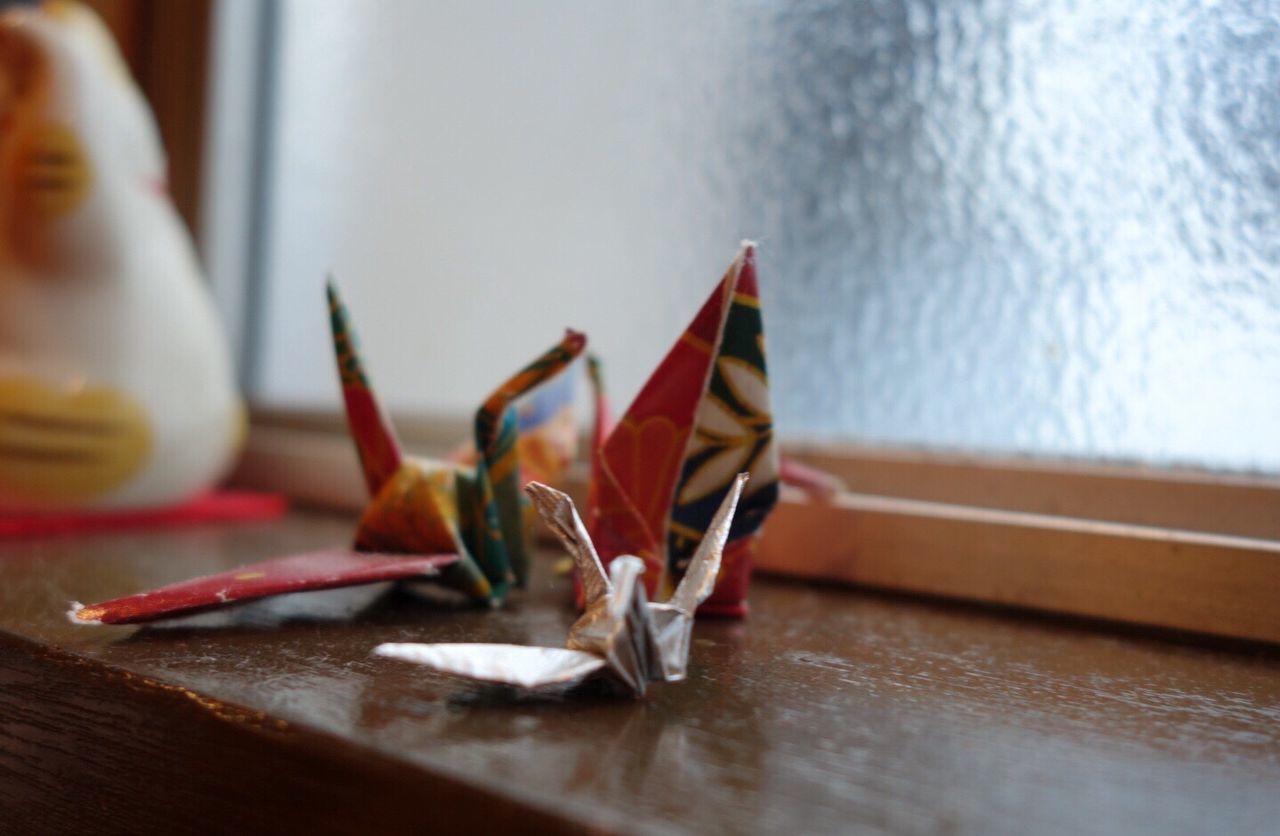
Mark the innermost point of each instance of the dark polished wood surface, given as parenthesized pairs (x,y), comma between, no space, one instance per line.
(826,711)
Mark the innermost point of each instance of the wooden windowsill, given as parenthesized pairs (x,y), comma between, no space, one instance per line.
(827,710)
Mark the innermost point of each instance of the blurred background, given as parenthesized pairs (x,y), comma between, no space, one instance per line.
(1045,228)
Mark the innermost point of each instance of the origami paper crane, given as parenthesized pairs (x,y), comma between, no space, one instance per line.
(659,475)
(462,525)
(622,637)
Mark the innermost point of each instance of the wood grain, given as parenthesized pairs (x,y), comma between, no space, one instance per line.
(1226,586)
(826,711)
(87,747)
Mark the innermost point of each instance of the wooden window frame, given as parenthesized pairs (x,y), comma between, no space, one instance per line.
(167,47)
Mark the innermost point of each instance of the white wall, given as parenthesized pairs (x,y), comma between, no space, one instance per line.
(478,177)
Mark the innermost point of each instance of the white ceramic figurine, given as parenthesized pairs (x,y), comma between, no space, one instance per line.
(116,387)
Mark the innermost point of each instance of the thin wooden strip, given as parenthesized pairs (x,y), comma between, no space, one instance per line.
(1213,584)
(1241,505)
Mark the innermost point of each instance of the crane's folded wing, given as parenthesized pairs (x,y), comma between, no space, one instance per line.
(524,667)
(324,569)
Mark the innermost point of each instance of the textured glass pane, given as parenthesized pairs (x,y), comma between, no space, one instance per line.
(1047,227)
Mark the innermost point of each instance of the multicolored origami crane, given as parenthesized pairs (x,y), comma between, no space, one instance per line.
(462,525)
(659,475)
(621,638)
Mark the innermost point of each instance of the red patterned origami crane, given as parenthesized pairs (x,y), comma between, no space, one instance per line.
(462,525)
(703,417)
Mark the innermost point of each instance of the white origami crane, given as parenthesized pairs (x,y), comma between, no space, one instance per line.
(621,637)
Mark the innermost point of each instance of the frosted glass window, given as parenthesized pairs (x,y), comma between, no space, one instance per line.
(1042,227)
